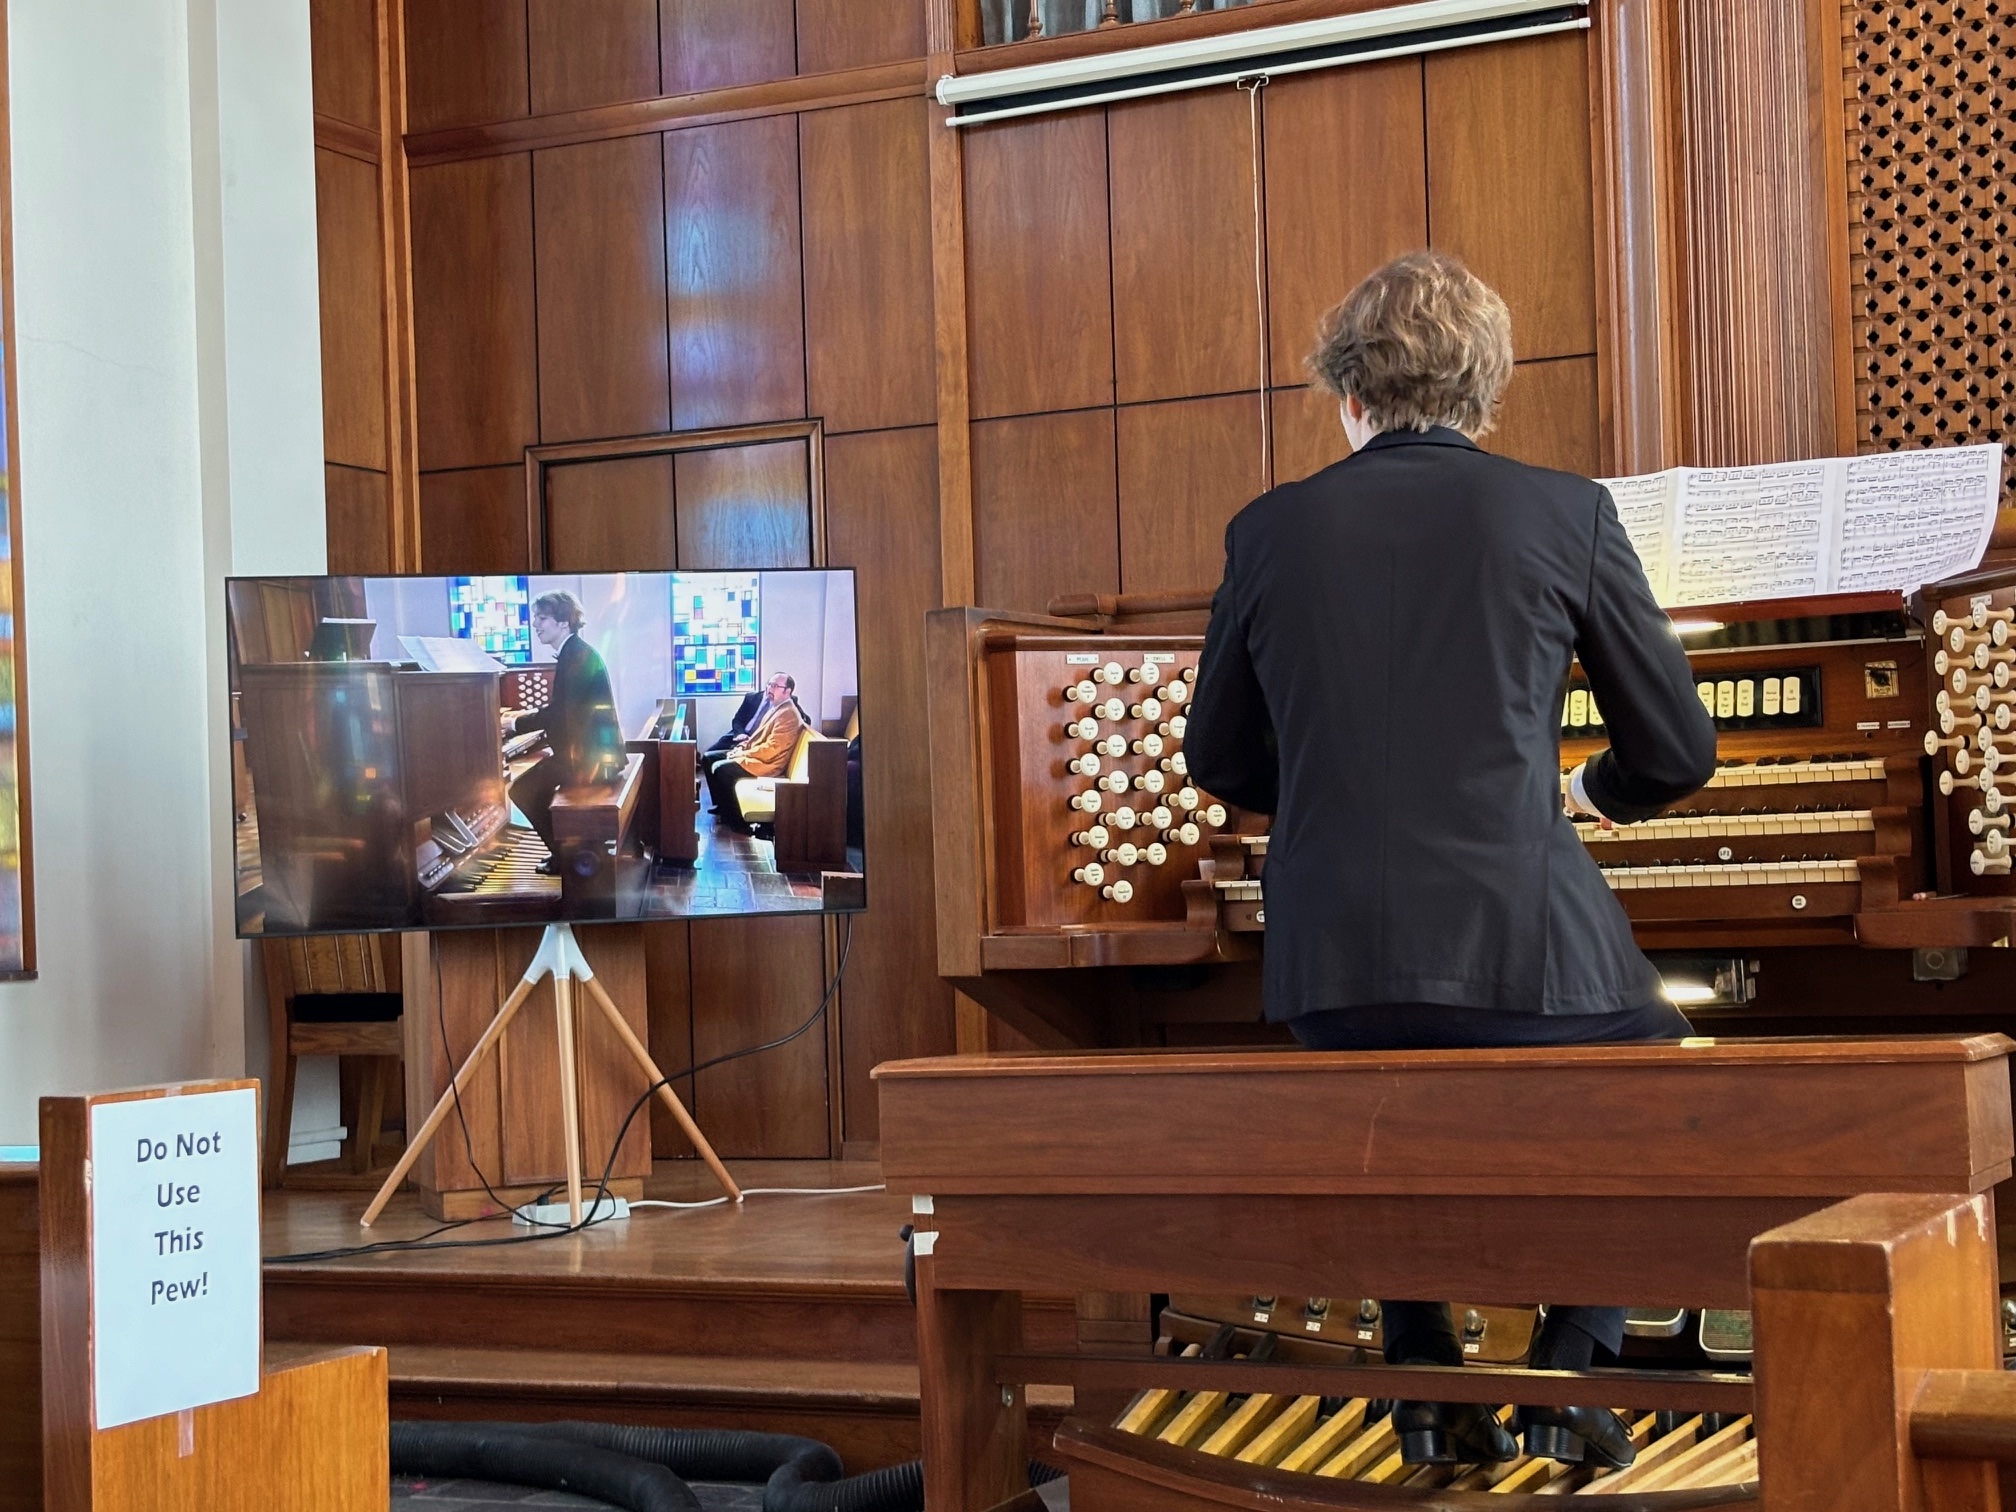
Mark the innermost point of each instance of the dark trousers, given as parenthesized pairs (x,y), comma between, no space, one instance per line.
(1423,1333)
(534,793)
(721,780)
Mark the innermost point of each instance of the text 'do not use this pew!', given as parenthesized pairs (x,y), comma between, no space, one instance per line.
(1633,1175)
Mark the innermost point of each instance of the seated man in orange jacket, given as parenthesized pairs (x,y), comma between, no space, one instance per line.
(764,752)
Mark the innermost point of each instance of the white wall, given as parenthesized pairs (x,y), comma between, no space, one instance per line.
(627,617)
(168,363)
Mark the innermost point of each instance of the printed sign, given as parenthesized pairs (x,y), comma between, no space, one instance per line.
(174,1253)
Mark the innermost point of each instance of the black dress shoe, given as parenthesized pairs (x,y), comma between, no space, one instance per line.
(1573,1434)
(550,867)
(1451,1433)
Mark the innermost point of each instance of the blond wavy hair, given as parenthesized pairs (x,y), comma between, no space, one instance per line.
(1421,342)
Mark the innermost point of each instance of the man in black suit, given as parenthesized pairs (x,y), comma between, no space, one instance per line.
(1384,674)
(747,713)
(585,743)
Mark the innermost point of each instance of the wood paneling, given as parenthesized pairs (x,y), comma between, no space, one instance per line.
(668,989)
(473,521)
(882,520)
(868,265)
(20,1341)
(754,980)
(745,506)
(1347,190)
(737,310)
(465,62)
(1509,188)
(1185,470)
(350,263)
(713,44)
(850,33)
(599,224)
(1548,416)
(1185,314)
(1039,301)
(1045,508)
(474,327)
(359,534)
(1308,435)
(610,516)
(343,53)
(595,53)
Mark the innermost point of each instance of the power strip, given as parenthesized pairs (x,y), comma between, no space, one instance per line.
(556,1214)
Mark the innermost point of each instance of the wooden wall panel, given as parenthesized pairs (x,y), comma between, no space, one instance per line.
(1184,311)
(473,521)
(755,979)
(737,299)
(474,327)
(1509,183)
(868,265)
(1045,508)
(1347,190)
(465,62)
(849,33)
(343,54)
(1185,469)
(350,265)
(1038,245)
(599,225)
(1308,435)
(358,529)
(882,520)
(711,44)
(1548,416)
(610,516)
(745,506)
(668,990)
(591,54)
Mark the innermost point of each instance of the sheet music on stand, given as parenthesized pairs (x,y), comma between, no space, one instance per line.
(1890,521)
(448,653)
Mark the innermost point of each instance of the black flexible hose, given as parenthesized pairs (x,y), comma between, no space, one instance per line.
(506,1453)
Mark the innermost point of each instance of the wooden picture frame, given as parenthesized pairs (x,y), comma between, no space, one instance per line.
(17,934)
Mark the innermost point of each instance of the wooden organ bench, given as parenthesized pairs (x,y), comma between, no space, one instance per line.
(1629,1175)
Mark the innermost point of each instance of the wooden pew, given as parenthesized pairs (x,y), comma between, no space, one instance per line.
(1628,1175)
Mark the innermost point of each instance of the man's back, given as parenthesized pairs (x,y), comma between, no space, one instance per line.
(1403,622)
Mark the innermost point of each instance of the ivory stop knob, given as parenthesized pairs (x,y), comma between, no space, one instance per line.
(1949,722)
(1118,892)
(1091,874)
(1122,854)
(1114,782)
(1185,833)
(1087,802)
(1175,691)
(1112,745)
(1186,798)
(1147,672)
(1082,729)
(1148,745)
(1179,764)
(1149,709)
(1149,782)
(1214,815)
(1154,853)
(1178,727)
(1085,766)
(1110,674)
(1995,843)
(1123,818)
(1080,692)
(1096,837)
(1984,864)
(1112,711)
(1942,621)
(1981,822)
(1158,817)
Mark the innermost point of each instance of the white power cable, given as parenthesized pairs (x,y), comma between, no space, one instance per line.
(763,1192)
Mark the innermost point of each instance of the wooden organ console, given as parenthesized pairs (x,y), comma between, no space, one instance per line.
(1866,796)
(380,794)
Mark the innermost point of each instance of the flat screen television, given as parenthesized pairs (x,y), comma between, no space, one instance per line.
(656,745)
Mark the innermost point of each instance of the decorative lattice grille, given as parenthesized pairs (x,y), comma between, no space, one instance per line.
(1932,221)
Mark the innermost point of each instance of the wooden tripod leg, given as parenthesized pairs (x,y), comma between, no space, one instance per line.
(570,1105)
(643,1058)
(484,1046)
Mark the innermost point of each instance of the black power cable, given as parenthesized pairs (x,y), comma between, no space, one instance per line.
(590,1217)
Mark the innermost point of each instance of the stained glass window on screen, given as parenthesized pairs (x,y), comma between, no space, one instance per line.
(494,612)
(715,631)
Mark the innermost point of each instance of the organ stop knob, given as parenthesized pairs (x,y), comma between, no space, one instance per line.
(1112,711)
(1175,692)
(1080,692)
(1111,673)
(1082,729)
(1214,815)
(1118,892)
(1980,821)
(1984,865)
(1091,874)
(1113,745)
(1085,766)
(1147,672)
(1095,837)
(1158,817)
(1149,782)
(1185,833)
(1123,818)
(1149,709)
(1148,745)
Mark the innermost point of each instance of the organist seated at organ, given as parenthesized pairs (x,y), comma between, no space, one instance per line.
(584,739)
(1383,675)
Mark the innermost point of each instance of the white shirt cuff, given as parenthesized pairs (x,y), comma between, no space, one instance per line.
(1578,795)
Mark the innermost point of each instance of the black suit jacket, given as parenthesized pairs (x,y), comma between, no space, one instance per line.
(746,713)
(1384,674)
(580,718)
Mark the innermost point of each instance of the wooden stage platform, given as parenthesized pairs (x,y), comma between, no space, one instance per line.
(787,1315)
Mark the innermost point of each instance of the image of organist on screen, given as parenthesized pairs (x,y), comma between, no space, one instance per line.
(420,752)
